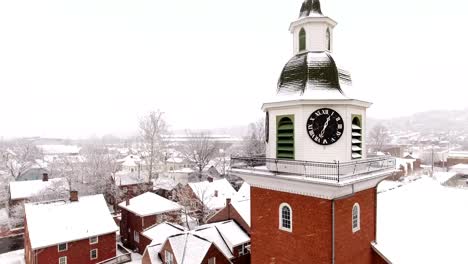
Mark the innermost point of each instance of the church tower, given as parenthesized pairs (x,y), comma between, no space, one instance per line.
(314,195)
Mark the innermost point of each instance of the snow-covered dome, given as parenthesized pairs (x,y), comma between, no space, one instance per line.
(310,8)
(309,71)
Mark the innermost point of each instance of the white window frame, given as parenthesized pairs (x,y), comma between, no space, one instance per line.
(91,240)
(136,236)
(280,217)
(168,257)
(212,260)
(66,247)
(91,253)
(63,260)
(357,216)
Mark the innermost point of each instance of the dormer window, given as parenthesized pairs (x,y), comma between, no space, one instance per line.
(302,39)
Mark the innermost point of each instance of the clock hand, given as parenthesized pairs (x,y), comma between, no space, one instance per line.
(325,127)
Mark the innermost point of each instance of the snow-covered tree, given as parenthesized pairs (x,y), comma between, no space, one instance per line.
(152,128)
(199,150)
(254,143)
(19,156)
(379,136)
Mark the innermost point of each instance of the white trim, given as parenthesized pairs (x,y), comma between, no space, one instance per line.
(280,217)
(91,242)
(91,254)
(66,247)
(64,258)
(212,260)
(358,216)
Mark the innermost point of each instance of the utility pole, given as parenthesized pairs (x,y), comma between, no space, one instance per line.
(432,170)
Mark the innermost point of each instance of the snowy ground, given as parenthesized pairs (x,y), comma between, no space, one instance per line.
(13,257)
(3,217)
(422,222)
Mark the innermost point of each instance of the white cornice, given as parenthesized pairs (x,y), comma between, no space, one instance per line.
(305,20)
(315,188)
(299,102)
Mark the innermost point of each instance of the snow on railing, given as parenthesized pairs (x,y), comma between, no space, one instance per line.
(333,171)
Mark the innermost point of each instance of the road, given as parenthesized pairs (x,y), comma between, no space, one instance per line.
(11,243)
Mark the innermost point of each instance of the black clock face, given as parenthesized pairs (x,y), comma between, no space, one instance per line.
(325,126)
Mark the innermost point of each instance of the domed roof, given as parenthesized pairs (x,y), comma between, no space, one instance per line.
(310,8)
(309,71)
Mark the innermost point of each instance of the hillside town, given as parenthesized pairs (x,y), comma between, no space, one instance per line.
(313,181)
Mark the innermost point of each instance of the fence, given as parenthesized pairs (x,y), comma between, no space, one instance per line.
(332,171)
(125,258)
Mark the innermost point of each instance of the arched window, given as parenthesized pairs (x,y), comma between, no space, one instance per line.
(285,217)
(328,39)
(302,40)
(356,219)
(285,137)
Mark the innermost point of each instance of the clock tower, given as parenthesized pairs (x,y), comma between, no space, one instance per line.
(314,195)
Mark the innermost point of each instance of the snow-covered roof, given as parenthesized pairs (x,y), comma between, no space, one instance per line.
(244,192)
(458,154)
(243,208)
(63,221)
(189,248)
(124,178)
(183,170)
(232,234)
(152,251)
(175,160)
(415,223)
(150,204)
(164,183)
(59,149)
(206,192)
(29,189)
(130,160)
(159,233)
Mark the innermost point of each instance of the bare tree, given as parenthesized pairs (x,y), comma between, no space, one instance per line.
(199,150)
(254,143)
(195,202)
(152,129)
(379,136)
(20,156)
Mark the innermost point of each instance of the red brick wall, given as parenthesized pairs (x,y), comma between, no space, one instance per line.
(310,240)
(377,259)
(355,247)
(311,237)
(229,212)
(79,251)
(130,223)
(214,252)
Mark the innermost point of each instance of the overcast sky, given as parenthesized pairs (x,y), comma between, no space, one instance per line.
(84,67)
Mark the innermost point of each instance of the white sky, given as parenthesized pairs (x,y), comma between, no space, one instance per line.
(84,67)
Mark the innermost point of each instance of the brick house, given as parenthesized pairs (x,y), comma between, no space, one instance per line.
(222,242)
(142,212)
(79,231)
(237,210)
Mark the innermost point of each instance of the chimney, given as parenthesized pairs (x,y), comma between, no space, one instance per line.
(45,176)
(228,206)
(73,196)
(228,201)
(210,179)
(127,201)
(216,193)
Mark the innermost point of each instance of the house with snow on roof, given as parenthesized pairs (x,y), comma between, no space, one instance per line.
(237,209)
(37,190)
(143,211)
(80,230)
(222,242)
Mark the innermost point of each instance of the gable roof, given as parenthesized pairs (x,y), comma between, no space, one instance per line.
(205,192)
(63,221)
(29,189)
(159,233)
(149,203)
(189,248)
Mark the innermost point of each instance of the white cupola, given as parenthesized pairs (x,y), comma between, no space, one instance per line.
(312,31)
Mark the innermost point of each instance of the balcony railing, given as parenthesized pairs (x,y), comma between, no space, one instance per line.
(125,258)
(331,171)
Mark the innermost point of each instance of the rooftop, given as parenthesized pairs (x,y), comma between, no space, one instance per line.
(150,204)
(63,221)
(213,194)
(29,189)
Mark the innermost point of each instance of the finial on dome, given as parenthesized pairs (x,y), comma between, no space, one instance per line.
(310,7)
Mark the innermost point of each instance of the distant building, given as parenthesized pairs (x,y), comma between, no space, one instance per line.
(141,212)
(457,157)
(66,232)
(212,193)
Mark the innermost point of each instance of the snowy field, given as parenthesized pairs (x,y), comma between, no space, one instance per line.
(422,222)
(13,257)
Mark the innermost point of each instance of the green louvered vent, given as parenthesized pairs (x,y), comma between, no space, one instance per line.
(285,139)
